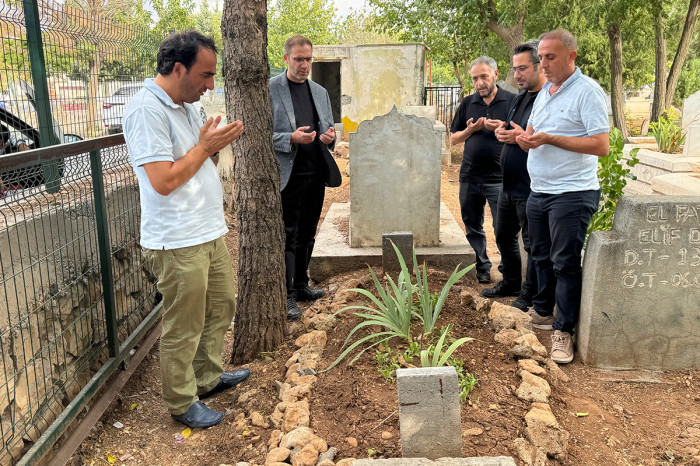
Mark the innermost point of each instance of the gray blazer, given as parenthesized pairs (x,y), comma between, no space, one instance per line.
(284,124)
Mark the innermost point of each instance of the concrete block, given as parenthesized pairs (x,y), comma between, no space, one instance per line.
(471,461)
(641,287)
(395,173)
(404,242)
(429,412)
(424,111)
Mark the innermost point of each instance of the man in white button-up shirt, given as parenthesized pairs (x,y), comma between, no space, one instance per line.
(567,132)
(182,223)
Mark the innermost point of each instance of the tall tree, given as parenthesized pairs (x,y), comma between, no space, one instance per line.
(261,306)
(665,84)
(310,18)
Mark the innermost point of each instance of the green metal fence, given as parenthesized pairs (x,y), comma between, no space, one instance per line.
(74,295)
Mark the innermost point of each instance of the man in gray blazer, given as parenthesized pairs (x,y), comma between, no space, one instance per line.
(303,132)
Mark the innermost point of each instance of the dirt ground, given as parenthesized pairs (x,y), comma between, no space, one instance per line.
(631,417)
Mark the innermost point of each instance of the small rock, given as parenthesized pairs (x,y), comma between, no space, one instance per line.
(504,317)
(308,456)
(474,431)
(345,462)
(245,397)
(544,431)
(533,388)
(531,340)
(507,336)
(524,352)
(482,304)
(317,338)
(296,393)
(386,435)
(467,297)
(296,414)
(325,463)
(299,437)
(525,451)
(557,374)
(328,455)
(352,441)
(275,438)
(293,358)
(277,455)
(531,366)
(258,420)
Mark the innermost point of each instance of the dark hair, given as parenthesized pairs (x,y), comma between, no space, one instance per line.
(182,48)
(294,41)
(531,48)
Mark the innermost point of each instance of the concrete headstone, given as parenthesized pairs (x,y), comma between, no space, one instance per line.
(691,147)
(640,307)
(429,412)
(691,111)
(395,173)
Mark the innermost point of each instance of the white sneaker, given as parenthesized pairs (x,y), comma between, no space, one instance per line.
(562,347)
(540,322)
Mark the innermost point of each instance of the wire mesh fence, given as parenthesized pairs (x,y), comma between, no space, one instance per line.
(56,313)
(73,290)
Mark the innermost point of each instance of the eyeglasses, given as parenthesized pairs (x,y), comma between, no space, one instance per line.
(301,60)
(520,69)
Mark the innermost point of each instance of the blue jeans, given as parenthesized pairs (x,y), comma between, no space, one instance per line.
(472,200)
(510,221)
(557,226)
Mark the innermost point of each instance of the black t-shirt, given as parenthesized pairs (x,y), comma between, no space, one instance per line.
(309,158)
(516,180)
(482,151)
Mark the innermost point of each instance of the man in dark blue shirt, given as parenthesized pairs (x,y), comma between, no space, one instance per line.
(480,175)
(511,218)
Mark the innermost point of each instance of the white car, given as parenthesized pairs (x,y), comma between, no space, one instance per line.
(113,107)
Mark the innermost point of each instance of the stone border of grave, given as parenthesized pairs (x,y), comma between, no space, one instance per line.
(294,442)
(544,436)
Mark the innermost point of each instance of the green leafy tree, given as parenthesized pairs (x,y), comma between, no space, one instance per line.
(310,18)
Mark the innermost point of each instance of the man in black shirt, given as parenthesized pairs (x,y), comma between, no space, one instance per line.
(480,175)
(303,131)
(511,218)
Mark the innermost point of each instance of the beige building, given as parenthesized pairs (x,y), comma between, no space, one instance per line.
(364,81)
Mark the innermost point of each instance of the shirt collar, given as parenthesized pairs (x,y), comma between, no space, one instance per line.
(159,92)
(576,74)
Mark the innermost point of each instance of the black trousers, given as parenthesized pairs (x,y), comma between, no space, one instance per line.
(302,201)
(557,225)
(510,222)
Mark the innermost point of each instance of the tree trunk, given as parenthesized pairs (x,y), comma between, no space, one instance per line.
(660,76)
(682,52)
(616,89)
(261,311)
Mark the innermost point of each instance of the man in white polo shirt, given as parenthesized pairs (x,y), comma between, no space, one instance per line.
(567,132)
(182,223)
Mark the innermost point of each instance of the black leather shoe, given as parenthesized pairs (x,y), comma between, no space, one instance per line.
(226,381)
(499,291)
(199,415)
(483,277)
(522,302)
(309,294)
(293,311)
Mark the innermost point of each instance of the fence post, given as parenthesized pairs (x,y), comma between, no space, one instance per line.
(47,135)
(105,252)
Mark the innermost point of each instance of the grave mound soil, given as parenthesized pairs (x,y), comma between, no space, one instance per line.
(632,417)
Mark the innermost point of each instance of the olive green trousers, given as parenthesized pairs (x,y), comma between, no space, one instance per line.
(198,288)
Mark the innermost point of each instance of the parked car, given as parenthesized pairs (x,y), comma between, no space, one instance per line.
(17,135)
(113,107)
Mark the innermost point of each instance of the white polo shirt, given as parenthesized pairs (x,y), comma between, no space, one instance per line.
(156,129)
(578,108)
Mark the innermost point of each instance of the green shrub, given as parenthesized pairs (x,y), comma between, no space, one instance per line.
(667,132)
(613,176)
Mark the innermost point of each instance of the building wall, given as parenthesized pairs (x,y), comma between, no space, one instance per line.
(375,78)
